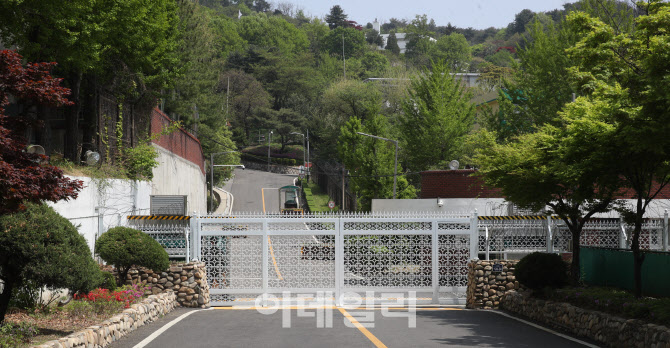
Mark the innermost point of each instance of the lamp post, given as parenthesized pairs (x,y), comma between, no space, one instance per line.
(269,144)
(303,147)
(211,175)
(395,170)
(308,164)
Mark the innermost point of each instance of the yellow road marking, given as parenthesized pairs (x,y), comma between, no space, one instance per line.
(272,252)
(274,261)
(365,331)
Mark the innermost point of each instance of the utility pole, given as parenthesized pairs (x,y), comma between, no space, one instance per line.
(309,164)
(211,175)
(344,171)
(269,144)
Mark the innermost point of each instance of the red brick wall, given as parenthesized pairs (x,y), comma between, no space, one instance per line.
(179,142)
(455,184)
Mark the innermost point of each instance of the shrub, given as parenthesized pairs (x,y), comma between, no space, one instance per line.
(125,247)
(38,245)
(78,309)
(140,161)
(13,335)
(540,270)
(108,282)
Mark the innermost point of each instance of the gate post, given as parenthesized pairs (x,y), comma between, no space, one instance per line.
(436,269)
(264,267)
(339,260)
(665,231)
(550,236)
(474,236)
(623,238)
(195,237)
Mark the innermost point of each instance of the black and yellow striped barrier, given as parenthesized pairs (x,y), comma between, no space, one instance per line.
(513,217)
(159,217)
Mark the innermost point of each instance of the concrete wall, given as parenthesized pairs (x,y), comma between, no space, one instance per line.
(484,206)
(104,203)
(177,176)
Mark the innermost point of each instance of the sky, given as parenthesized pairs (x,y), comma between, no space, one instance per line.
(479,14)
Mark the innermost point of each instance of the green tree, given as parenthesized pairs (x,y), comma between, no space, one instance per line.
(371,162)
(392,43)
(521,19)
(624,72)
(538,90)
(352,39)
(125,247)
(373,38)
(454,50)
(40,246)
(437,114)
(336,18)
(501,58)
(272,32)
(247,96)
(548,171)
(374,64)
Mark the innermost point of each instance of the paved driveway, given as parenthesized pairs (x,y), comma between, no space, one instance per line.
(256,191)
(434,327)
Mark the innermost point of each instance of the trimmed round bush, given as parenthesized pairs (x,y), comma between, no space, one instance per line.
(39,247)
(108,281)
(125,247)
(537,271)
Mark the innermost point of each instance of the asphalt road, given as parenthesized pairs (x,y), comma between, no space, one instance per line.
(434,328)
(256,191)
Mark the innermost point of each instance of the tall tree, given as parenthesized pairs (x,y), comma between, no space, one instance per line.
(538,90)
(548,171)
(624,75)
(336,18)
(22,177)
(392,43)
(371,162)
(454,50)
(437,114)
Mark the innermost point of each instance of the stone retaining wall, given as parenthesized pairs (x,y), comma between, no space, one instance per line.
(485,287)
(187,280)
(607,329)
(110,330)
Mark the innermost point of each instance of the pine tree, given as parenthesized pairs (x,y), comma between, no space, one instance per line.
(392,43)
(336,18)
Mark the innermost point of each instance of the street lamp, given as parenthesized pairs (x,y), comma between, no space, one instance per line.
(269,144)
(303,147)
(211,174)
(395,170)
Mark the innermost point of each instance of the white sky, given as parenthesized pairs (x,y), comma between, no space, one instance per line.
(479,14)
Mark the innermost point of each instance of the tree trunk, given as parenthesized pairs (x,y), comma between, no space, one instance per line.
(72,120)
(575,271)
(4,299)
(638,257)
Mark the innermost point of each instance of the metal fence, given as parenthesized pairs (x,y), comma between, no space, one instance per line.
(425,253)
(378,258)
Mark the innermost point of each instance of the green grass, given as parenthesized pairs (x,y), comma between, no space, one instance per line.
(317,200)
(102,171)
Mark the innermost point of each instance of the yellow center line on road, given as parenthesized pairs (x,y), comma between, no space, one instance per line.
(272,252)
(362,329)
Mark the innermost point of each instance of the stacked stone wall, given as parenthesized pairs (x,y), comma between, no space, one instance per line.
(485,287)
(604,328)
(110,330)
(187,280)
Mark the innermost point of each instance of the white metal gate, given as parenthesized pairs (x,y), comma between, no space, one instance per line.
(374,258)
